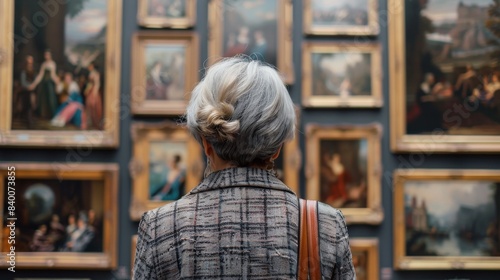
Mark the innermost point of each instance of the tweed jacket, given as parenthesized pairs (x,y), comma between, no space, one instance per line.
(238,223)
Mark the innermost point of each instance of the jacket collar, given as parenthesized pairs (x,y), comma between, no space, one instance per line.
(240,177)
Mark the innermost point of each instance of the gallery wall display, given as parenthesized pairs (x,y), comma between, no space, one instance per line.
(166,164)
(66,215)
(446,219)
(341,75)
(344,17)
(344,169)
(60,73)
(365,258)
(260,29)
(164,72)
(166,13)
(444,76)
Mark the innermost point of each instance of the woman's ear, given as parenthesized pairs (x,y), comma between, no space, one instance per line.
(277,154)
(207,147)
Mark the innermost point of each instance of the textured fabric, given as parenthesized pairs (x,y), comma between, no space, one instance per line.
(239,223)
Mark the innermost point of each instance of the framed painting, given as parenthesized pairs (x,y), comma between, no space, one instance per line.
(344,17)
(62,216)
(259,29)
(341,75)
(446,219)
(166,164)
(164,72)
(60,73)
(444,76)
(166,13)
(344,169)
(365,258)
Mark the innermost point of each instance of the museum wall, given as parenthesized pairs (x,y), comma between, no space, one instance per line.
(340,116)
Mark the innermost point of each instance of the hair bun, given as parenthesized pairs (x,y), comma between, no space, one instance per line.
(217,123)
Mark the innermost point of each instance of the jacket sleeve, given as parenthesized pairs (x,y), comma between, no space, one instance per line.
(344,269)
(144,266)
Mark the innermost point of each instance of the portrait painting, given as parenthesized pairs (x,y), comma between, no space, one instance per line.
(166,164)
(164,72)
(450,86)
(166,13)
(259,29)
(60,79)
(60,214)
(338,75)
(343,169)
(365,258)
(345,17)
(449,218)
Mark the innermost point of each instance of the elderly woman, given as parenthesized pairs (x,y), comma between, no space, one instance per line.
(240,222)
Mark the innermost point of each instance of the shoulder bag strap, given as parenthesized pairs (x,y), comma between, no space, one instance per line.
(309,261)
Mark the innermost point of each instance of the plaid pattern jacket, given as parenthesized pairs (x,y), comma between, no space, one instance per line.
(239,223)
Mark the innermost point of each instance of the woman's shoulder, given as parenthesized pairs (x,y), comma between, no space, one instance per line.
(331,219)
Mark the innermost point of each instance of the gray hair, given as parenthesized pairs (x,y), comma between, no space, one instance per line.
(243,109)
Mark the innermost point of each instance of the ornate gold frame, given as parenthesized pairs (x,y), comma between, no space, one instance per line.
(403,262)
(108,137)
(372,28)
(373,213)
(164,22)
(430,143)
(284,37)
(292,159)
(142,134)
(310,100)
(141,106)
(370,246)
(108,173)
(133,250)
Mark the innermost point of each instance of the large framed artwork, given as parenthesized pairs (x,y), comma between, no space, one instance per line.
(164,72)
(61,216)
(259,29)
(166,163)
(365,258)
(60,69)
(444,76)
(446,219)
(344,17)
(341,75)
(166,13)
(344,169)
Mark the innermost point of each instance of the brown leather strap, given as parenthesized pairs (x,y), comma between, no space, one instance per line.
(303,269)
(309,260)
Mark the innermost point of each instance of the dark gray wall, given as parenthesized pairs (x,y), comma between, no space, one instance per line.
(326,116)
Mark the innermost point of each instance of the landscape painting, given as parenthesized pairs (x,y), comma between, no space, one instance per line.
(452,218)
(166,13)
(452,67)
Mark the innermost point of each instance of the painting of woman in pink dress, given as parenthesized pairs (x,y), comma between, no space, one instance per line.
(93,101)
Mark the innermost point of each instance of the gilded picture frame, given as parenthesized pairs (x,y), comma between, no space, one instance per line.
(283,38)
(133,251)
(322,88)
(108,136)
(370,28)
(438,140)
(365,252)
(354,187)
(449,179)
(166,21)
(292,159)
(107,176)
(167,48)
(147,135)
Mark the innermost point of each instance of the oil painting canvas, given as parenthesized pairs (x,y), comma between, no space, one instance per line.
(166,8)
(340,13)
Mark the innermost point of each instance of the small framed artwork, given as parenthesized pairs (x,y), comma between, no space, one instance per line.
(445,76)
(344,169)
(344,17)
(166,164)
(166,13)
(64,216)
(289,161)
(164,71)
(446,219)
(259,29)
(341,75)
(60,73)
(365,258)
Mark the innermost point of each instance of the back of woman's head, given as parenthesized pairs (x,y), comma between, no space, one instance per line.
(243,110)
